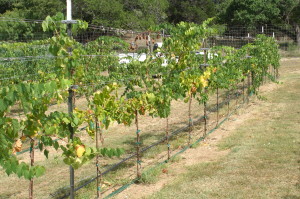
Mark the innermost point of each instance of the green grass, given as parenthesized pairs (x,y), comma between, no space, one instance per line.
(152,175)
(291,51)
(264,158)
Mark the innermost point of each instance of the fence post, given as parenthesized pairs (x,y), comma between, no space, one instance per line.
(248,87)
(243,90)
(71,106)
(167,137)
(217,106)
(228,101)
(138,161)
(236,96)
(205,104)
(150,44)
(99,175)
(190,120)
(31,164)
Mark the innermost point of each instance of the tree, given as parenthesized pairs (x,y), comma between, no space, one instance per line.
(294,19)
(104,12)
(147,12)
(283,15)
(249,12)
(133,14)
(16,29)
(5,5)
(190,10)
(39,9)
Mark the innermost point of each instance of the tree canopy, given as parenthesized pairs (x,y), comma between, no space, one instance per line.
(141,14)
(259,12)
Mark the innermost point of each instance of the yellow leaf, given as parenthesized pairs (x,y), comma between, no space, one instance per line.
(17,146)
(80,150)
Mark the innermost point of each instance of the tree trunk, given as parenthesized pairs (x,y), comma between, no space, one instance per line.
(298,34)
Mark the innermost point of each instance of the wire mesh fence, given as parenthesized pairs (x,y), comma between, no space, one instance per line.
(237,36)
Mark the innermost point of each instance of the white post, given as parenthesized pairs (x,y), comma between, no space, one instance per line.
(71,98)
(262,29)
(69,9)
(150,43)
(273,34)
(248,35)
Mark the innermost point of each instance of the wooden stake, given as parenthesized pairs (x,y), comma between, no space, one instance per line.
(243,90)
(31,163)
(205,119)
(236,96)
(138,165)
(167,137)
(99,174)
(71,106)
(228,102)
(190,120)
(217,106)
(248,88)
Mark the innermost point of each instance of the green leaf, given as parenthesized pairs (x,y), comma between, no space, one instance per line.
(39,171)
(67,161)
(56,145)
(2,105)
(66,120)
(45,26)
(88,151)
(46,153)
(26,174)
(41,146)
(9,170)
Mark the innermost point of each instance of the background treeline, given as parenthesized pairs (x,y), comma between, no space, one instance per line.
(141,14)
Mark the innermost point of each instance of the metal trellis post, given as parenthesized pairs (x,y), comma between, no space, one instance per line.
(71,98)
